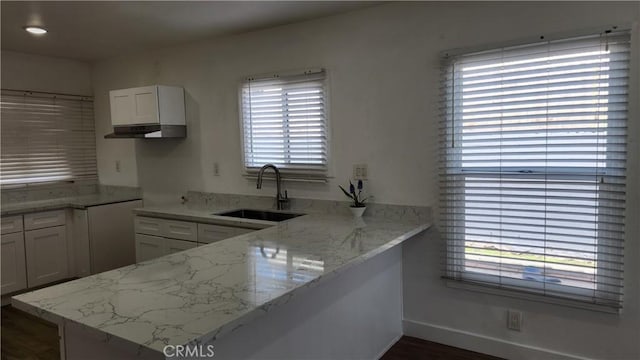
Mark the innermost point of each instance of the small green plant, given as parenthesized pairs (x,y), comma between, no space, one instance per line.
(358,201)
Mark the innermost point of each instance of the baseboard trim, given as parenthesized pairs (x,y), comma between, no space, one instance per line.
(481,343)
(386,348)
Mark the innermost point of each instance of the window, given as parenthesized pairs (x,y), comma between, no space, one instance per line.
(533,173)
(46,138)
(284,122)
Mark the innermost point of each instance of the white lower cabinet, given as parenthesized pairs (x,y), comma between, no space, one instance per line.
(14,272)
(157,237)
(46,255)
(173,246)
(208,234)
(149,247)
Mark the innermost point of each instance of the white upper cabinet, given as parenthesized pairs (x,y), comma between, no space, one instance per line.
(148,105)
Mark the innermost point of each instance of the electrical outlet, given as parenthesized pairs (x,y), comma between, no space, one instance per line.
(216,169)
(514,320)
(360,172)
(117,165)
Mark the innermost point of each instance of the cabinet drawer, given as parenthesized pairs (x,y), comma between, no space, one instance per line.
(44,219)
(149,226)
(11,224)
(173,246)
(182,230)
(211,233)
(149,247)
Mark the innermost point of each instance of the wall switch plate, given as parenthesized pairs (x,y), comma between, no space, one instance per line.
(514,320)
(216,169)
(117,165)
(360,172)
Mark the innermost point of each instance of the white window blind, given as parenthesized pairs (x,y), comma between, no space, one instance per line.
(284,122)
(533,158)
(46,138)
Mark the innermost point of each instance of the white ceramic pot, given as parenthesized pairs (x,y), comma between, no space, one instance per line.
(357,211)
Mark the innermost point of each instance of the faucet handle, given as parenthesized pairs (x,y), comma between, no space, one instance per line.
(283,201)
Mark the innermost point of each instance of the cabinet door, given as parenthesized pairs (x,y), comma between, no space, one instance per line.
(14,272)
(145,105)
(211,233)
(121,107)
(46,251)
(174,246)
(149,247)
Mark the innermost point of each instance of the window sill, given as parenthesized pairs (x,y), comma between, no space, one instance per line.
(455,284)
(289,177)
(47,185)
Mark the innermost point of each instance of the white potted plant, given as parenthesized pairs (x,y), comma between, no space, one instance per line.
(358,207)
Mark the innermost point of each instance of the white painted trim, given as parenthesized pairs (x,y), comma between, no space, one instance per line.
(481,343)
(386,348)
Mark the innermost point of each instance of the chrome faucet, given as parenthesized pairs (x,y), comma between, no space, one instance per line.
(281,201)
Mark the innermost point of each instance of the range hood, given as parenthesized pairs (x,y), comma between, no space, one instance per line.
(148,132)
(149,112)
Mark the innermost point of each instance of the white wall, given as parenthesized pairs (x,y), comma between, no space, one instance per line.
(383,67)
(43,73)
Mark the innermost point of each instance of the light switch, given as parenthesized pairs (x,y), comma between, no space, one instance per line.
(360,172)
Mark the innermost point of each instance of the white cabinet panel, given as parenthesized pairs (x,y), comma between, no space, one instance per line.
(44,219)
(174,246)
(111,235)
(81,248)
(46,255)
(211,233)
(149,247)
(14,271)
(182,230)
(149,226)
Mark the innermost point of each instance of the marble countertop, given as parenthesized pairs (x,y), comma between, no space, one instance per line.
(76,202)
(198,295)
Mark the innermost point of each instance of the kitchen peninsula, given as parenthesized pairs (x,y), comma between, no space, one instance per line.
(323,284)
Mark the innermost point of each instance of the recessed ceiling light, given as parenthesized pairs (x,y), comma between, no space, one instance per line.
(36,30)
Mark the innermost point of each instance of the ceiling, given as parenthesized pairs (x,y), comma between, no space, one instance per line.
(93,30)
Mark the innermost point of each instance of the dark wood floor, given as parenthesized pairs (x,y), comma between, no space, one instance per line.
(410,348)
(27,337)
(24,336)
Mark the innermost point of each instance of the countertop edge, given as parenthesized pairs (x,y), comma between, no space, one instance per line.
(65,205)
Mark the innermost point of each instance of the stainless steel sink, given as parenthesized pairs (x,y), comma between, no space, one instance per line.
(259,215)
